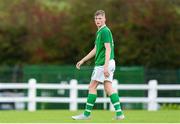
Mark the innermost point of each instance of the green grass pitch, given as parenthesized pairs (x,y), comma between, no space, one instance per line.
(98,116)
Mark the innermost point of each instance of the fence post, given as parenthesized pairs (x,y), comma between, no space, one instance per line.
(152,95)
(32,95)
(114,85)
(73,95)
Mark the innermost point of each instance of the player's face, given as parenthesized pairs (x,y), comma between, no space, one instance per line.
(100,20)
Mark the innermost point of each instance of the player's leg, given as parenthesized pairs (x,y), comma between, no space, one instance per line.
(114,99)
(90,101)
(91,97)
(112,93)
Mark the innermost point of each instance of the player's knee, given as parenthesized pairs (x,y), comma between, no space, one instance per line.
(108,92)
(93,85)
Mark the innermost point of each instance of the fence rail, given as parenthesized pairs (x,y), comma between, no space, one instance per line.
(152,99)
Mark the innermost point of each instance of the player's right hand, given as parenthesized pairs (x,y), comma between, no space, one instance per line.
(78,65)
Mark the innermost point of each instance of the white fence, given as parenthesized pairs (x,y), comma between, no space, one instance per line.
(152,87)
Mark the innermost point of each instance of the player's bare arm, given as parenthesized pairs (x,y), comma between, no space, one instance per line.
(86,58)
(107,58)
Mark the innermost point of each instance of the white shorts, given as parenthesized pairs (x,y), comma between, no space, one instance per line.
(98,72)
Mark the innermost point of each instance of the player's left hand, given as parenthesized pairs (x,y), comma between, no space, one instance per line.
(106,73)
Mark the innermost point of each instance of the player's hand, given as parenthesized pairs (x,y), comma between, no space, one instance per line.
(78,65)
(106,73)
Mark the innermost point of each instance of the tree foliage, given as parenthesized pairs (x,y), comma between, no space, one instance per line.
(149,34)
(146,32)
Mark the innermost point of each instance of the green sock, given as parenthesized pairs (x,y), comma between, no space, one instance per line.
(115,101)
(89,104)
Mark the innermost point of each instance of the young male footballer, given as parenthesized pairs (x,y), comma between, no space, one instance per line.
(103,70)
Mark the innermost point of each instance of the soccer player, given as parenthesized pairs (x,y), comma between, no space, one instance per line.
(103,70)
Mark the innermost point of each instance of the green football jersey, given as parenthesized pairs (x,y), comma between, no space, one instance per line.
(103,35)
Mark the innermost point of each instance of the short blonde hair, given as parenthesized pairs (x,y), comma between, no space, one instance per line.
(99,12)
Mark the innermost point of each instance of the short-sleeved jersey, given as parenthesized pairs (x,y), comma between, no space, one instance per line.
(103,35)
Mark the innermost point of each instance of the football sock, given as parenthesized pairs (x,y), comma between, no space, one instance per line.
(89,104)
(115,101)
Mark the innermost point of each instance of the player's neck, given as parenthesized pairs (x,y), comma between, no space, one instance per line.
(99,28)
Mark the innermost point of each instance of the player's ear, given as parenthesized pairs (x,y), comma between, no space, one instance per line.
(104,18)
